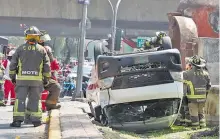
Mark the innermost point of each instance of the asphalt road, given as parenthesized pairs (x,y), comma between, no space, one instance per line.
(25,132)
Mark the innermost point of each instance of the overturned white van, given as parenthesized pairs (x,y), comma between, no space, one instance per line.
(137,91)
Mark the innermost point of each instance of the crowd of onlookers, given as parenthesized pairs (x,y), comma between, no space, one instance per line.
(68,74)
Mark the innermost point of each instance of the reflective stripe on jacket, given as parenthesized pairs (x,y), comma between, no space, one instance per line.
(31,64)
(197,81)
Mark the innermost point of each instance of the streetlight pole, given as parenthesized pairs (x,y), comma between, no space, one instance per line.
(114,20)
(81,50)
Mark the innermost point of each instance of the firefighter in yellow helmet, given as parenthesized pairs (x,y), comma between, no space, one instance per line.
(30,63)
(198,83)
(155,41)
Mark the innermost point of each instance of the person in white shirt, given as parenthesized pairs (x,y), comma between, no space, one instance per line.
(9,87)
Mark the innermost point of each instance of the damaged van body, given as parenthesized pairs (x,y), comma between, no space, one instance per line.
(138,91)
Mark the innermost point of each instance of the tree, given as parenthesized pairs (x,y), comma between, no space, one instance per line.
(58,44)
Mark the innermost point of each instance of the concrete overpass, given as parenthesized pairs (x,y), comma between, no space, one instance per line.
(62,17)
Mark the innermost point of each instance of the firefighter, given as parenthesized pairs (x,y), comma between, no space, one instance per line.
(184,116)
(198,82)
(8,85)
(53,87)
(154,41)
(31,64)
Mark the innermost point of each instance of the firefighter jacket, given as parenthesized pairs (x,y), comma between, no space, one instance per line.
(54,65)
(49,53)
(31,64)
(197,83)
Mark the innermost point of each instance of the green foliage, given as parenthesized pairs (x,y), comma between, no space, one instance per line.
(63,48)
(16,41)
(178,132)
(58,44)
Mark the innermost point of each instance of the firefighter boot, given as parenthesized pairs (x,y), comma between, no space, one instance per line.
(36,124)
(27,119)
(52,106)
(15,124)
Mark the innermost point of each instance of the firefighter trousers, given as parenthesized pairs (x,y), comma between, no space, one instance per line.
(33,107)
(54,92)
(9,88)
(197,114)
(184,116)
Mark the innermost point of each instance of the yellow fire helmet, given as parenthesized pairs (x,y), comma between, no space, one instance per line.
(32,34)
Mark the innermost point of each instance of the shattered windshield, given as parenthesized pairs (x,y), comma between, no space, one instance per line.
(142,111)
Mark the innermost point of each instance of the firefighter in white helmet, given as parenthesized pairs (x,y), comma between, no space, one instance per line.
(53,86)
(9,87)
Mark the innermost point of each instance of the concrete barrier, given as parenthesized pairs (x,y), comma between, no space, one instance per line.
(208,48)
(212,106)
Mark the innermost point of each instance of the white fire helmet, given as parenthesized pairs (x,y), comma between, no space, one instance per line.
(45,38)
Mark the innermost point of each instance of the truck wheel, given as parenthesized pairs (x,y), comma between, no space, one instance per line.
(166,43)
(97,51)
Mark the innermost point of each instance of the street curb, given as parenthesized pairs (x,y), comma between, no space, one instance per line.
(54,131)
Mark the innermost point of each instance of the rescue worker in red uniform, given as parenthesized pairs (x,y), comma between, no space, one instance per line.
(198,83)
(32,65)
(8,85)
(53,87)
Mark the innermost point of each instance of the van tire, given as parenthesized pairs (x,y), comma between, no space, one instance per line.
(98,112)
